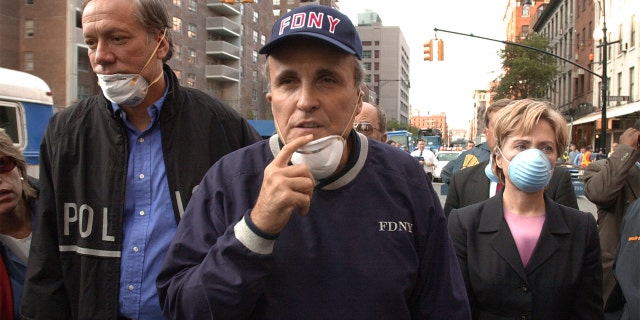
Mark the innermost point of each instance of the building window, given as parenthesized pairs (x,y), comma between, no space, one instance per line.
(193,6)
(254,95)
(290,2)
(83,92)
(28,1)
(191,80)
(255,17)
(177,25)
(177,50)
(620,44)
(83,62)
(367,66)
(28,28)
(632,83)
(254,75)
(255,36)
(276,12)
(619,85)
(192,32)
(366,54)
(28,61)
(177,3)
(192,56)
(632,34)
(276,2)
(263,39)
(255,56)
(525,11)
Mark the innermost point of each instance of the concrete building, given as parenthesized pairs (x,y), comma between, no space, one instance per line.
(518,17)
(386,58)
(622,64)
(578,92)
(481,101)
(435,121)
(216,48)
(556,21)
(281,7)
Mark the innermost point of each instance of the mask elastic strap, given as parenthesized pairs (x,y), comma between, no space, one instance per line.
(154,50)
(353,114)
(502,155)
(154,81)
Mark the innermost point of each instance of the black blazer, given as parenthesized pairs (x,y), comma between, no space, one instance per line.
(471,186)
(563,279)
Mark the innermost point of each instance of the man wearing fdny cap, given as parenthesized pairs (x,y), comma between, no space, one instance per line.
(317,222)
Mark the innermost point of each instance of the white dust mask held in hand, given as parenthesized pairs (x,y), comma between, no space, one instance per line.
(321,156)
(127,89)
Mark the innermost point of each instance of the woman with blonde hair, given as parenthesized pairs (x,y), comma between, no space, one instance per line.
(521,254)
(17,206)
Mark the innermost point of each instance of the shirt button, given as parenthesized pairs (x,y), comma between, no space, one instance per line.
(141,176)
(141,213)
(130,287)
(135,249)
(141,140)
(525,288)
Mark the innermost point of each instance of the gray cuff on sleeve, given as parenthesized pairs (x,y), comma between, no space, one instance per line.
(251,240)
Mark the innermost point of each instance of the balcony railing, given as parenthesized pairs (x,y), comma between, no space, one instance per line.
(222,50)
(223,8)
(223,26)
(222,73)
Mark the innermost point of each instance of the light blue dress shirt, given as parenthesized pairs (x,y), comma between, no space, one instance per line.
(149,223)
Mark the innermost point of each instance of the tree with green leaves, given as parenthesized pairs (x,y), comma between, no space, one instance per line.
(528,73)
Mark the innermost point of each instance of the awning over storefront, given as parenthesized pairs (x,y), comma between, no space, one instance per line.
(612,112)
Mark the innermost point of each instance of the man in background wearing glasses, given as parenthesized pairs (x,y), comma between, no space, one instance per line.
(372,122)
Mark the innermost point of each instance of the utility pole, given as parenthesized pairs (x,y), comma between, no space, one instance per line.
(605,85)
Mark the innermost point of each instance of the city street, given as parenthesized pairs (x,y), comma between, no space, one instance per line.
(584,204)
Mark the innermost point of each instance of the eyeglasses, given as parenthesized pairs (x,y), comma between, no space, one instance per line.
(365,128)
(7,164)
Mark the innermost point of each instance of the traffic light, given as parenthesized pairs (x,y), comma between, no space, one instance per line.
(440,50)
(428,51)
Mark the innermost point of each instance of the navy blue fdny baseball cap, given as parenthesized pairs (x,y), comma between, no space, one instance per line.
(320,22)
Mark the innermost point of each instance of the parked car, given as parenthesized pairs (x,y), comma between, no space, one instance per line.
(444,156)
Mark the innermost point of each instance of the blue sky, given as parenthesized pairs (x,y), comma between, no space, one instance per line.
(469,64)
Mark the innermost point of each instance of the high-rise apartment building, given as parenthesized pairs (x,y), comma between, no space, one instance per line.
(386,59)
(281,7)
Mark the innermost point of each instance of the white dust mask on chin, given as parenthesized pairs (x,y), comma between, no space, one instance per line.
(321,156)
(128,89)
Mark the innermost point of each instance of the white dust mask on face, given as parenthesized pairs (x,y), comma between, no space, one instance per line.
(321,156)
(127,89)
(529,170)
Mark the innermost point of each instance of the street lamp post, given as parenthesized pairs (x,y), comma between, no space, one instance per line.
(603,125)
